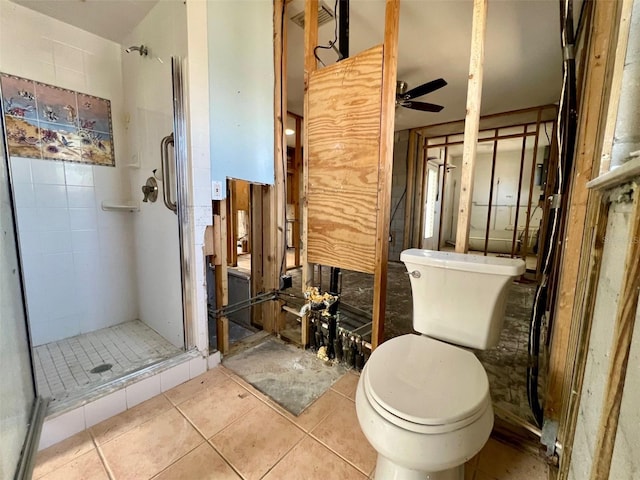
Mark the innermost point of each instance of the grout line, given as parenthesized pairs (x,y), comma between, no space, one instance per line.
(177,460)
(224,459)
(103,459)
(284,455)
(338,454)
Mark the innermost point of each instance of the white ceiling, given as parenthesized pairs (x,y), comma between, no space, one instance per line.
(522,56)
(522,67)
(111,19)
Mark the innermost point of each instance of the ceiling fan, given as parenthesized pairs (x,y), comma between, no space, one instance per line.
(404,97)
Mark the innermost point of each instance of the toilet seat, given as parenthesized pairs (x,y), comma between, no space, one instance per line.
(425,385)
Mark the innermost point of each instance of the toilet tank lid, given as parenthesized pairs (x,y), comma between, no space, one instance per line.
(511,267)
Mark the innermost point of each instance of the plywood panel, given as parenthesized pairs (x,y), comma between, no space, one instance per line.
(344,142)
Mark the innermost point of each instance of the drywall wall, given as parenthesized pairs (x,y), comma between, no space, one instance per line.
(77,259)
(597,367)
(241,92)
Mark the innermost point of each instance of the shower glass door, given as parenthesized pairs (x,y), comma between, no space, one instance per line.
(17,391)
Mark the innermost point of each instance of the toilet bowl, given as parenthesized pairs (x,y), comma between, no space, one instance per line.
(422,401)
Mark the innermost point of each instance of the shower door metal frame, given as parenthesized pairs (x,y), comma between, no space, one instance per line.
(185,227)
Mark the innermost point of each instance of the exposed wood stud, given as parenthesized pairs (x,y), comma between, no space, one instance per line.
(418,211)
(493,176)
(616,84)
(409,197)
(297,189)
(519,195)
(277,194)
(586,165)
(310,66)
(471,124)
(525,247)
(387,122)
(443,192)
(221,278)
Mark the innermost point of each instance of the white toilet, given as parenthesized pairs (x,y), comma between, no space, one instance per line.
(422,401)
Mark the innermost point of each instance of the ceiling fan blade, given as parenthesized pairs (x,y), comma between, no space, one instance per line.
(425,88)
(425,107)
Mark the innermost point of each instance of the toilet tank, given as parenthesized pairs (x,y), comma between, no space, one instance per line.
(460,298)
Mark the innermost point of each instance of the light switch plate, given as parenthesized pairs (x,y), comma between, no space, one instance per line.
(216,190)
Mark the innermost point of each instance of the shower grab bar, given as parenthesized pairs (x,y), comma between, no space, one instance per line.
(166,173)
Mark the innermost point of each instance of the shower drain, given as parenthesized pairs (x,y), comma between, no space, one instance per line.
(101,368)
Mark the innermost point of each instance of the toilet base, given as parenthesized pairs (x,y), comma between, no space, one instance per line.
(387,470)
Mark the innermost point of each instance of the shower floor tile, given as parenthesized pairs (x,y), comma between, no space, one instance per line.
(64,368)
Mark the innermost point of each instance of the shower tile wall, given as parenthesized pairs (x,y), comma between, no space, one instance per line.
(77,258)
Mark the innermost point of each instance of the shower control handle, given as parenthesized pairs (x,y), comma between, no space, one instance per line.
(150,190)
(414,274)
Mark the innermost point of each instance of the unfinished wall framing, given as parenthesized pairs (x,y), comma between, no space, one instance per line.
(527,124)
(593,389)
(348,158)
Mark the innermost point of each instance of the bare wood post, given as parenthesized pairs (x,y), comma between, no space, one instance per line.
(418,209)
(443,191)
(232,221)
(411,181)
(310,66)
(588,148)
(471,124)
(622,336)
(276,254)
(257,243)
(525,247)
(493,176)
(297,189)
(387,121)
(515,226)
(221,278)
(616,84)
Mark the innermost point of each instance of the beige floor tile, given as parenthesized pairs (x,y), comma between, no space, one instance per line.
(196,385)
(340,431)
(203,463)
(87,466)
(116,426)
(257,441)
(313,461)
(500,461)
(347,385)
(62,453)
(213,409)
(314,413)
(151,447)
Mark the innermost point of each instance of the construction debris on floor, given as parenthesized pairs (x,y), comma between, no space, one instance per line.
(292,377)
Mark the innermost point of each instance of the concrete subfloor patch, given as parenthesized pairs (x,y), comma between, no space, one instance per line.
(290,376)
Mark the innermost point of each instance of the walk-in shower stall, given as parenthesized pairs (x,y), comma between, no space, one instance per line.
(103,266)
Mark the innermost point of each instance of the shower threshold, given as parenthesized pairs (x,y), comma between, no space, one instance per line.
(79,369)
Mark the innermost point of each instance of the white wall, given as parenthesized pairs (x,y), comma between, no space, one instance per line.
(149,108)
(78,260)
(200,207)
(241,82)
